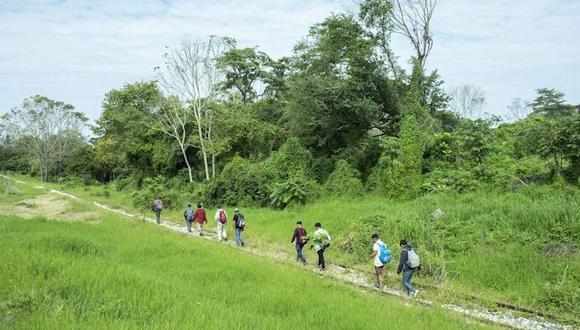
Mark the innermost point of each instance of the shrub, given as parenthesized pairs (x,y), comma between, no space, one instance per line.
(344,181)
(290,162)
(241,182)
(152,187)
(293,192)
(449,180)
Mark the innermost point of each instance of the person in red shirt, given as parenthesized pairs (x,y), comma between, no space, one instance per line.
(200,218)
(300,239)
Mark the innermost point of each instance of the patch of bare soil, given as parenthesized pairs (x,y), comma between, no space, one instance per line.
(47,206)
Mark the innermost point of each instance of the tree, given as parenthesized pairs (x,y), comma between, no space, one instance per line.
(519,109)
(191,73)
(551,103)
(125,140)
(172,119)
(243,68)
(49,129)
(467,100)
(375,16)
(336,92)
(412,20)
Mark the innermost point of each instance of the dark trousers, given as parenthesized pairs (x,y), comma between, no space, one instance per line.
(300,254)
(321,259)
(158,216)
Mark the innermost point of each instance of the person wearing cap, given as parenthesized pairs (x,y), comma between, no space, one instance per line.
(239,225)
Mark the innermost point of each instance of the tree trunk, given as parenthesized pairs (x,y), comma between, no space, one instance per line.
(186,162)
(203,151)
(213,166)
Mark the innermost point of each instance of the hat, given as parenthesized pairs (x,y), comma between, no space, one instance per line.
(236,210)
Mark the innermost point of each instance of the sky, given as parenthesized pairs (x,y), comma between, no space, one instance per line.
(77,50)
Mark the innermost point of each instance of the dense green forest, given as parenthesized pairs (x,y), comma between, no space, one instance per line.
(339,116)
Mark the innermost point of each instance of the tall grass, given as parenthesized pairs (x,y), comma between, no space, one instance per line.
(519,246)
(124,274)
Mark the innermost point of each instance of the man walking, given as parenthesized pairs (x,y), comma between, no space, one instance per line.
(381,256)
(408,263)
(239,225)
(321,239)
(221,218)
(188,215)
(157,208)
(200,218)
(299,238)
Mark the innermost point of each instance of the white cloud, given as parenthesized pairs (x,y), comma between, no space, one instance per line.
(76,51)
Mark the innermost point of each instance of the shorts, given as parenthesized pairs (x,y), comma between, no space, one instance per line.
(379,270)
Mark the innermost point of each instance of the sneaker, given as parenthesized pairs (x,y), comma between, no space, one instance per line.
(376,285)
(415,293)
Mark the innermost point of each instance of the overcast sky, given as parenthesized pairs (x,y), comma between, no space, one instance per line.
(76,51)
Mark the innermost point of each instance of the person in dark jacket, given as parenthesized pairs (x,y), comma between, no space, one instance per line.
(188,215)
(239,225)
(157,208)
(406,269)
(200,218)
(299,238)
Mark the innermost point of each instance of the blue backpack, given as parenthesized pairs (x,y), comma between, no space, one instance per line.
(384,253)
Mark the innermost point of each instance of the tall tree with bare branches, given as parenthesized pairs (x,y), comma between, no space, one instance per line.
(467,100)
(192,75)
(412,20)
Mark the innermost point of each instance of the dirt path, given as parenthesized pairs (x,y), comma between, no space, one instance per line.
(336,272)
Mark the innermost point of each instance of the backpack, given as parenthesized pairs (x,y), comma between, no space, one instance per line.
(384,253)
(223,217)
(413,260)
(241,221)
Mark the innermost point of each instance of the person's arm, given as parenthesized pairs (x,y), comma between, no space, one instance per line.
(374,253)
(217,215)
(402,260)
(293,237)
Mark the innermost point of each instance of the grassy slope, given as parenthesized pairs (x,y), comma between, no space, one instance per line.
(513,272)
(123,273)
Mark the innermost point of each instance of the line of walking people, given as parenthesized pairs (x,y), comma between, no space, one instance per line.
(199,217)
(409,261)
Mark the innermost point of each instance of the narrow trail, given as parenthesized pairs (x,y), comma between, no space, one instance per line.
(336,272)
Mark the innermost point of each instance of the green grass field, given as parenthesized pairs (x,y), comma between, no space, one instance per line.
(519,247)
(120,273)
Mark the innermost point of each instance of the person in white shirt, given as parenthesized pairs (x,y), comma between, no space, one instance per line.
(375,255)
(221,218)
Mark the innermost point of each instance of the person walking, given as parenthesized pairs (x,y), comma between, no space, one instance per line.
(188,215)
(200,218)
(321,240)
(221,218)
(380,255)
(239,226)
(300,239)
(157,208)
(409,263)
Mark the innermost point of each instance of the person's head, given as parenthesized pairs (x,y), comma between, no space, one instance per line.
(318,225)
(375,237)
(402,243)
(237,211)
(188,205)
(199,206)
(299,224)
(158,197)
